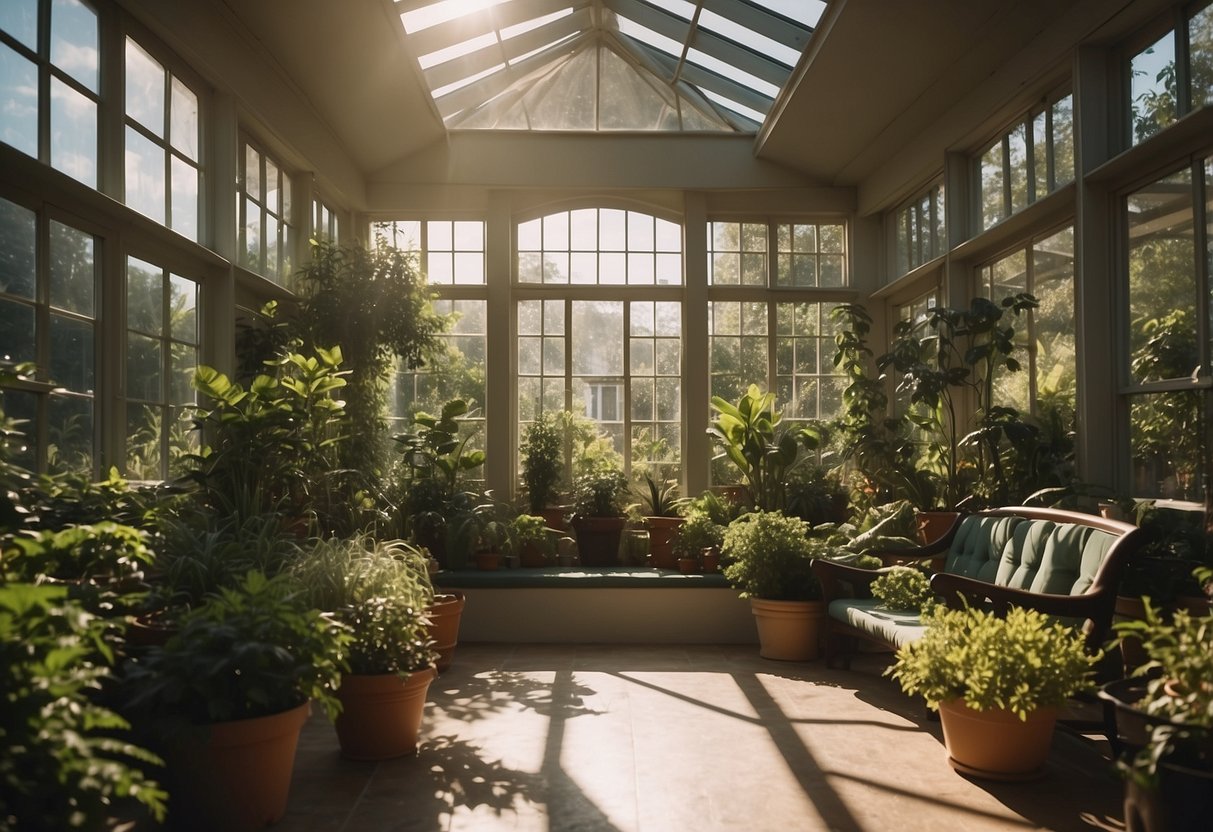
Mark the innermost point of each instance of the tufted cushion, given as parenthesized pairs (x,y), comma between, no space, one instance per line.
(978,546)
(864,614)
(1034,555)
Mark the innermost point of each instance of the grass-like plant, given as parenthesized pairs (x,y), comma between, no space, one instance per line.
(1019,663)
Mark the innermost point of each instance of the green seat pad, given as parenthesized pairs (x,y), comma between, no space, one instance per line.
(866,615)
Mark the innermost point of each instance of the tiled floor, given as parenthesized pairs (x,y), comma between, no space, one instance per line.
(666,739)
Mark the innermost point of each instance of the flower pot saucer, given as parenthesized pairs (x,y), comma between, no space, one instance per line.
(1001,776)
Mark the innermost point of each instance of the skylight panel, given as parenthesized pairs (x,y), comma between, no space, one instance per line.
(808,12)
(450,53)
(532,53)
(464,82)
(682,8)
(731,72)
(646,35)
(442,11)
(759,43)
(740,109)
(526,26)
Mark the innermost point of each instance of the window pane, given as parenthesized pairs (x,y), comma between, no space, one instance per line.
(1162,281)
(144,175)
(184,362)
(530,235)
(1153,98)
(23,408)
(272,189)
(73,133)
(1063,141)
(1166,442)
(20,19)
(17,224)
(144,297)
(1200,56)
(144,89)
(72,277)
(1209,239)
(993,202)
(183,118)
(71,356)
(1054,324)
(185,198)
(1040,155)
(143,429)
(19,102)
(16,331)
(143,367)
(252,172)
(252,235)
(74,41)
(70,420)
(597,338)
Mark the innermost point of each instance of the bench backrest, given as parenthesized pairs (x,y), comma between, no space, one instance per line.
(1030,553)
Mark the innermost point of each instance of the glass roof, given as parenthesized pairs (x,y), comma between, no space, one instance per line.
(675,65)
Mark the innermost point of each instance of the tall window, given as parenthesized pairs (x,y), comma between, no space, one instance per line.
(1029,161)
(266,235)
(1166,371)
(919,230)
(48,316)
(769,317)
(162,140)
(324,221)
(615,357)
(452,253)
(1045,268)
(50,83)
(161,354)
(1156,95)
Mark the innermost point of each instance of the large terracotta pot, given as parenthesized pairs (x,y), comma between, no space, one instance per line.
(445,613)
(598,539)
(997,744)
(661,541)
(237,775)
(933,525)
(381,714)
(788,630)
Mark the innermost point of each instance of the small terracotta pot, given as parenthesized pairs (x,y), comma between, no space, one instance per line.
(444,614)
(688,566)
(710,560)
(997,744)
(488,561)
(381,714)
(661,541)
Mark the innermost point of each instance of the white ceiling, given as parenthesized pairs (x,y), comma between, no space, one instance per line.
(882,73)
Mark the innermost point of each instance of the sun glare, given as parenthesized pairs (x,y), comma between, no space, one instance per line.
(442,11)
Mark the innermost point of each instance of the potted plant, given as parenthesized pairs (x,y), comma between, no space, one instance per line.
(748,436)
(598,513)
(699,536)
(771,558)
(541,453)
(946,362)
(380,591)
(238,675)
(904,589)
(997,683)
(659,506)
(533,539)
(1164,716)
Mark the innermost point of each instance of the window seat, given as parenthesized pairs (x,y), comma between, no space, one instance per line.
(616,605)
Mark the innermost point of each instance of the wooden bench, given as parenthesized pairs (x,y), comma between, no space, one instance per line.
(1062,563)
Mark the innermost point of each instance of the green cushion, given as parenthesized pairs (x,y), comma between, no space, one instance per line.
(864,614)
(978,546)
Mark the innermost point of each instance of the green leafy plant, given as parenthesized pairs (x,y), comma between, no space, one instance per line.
(271,446)
(251,650)
(66,761)
(948,356)
(771,557)
(380,591)
(1179,691)
(542,455)
(660,499)
(1019,663)
(531,530)
(747,435)
(904,588)
(697,532)
(600,492)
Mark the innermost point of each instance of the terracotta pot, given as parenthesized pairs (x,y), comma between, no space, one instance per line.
(788,630)
(553,518)
(488,561)
(709,559)
(997,744)
(598,540)
(661,541)
(381,714)
(688,566)
(444,625)
(236,776)
(933,525)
